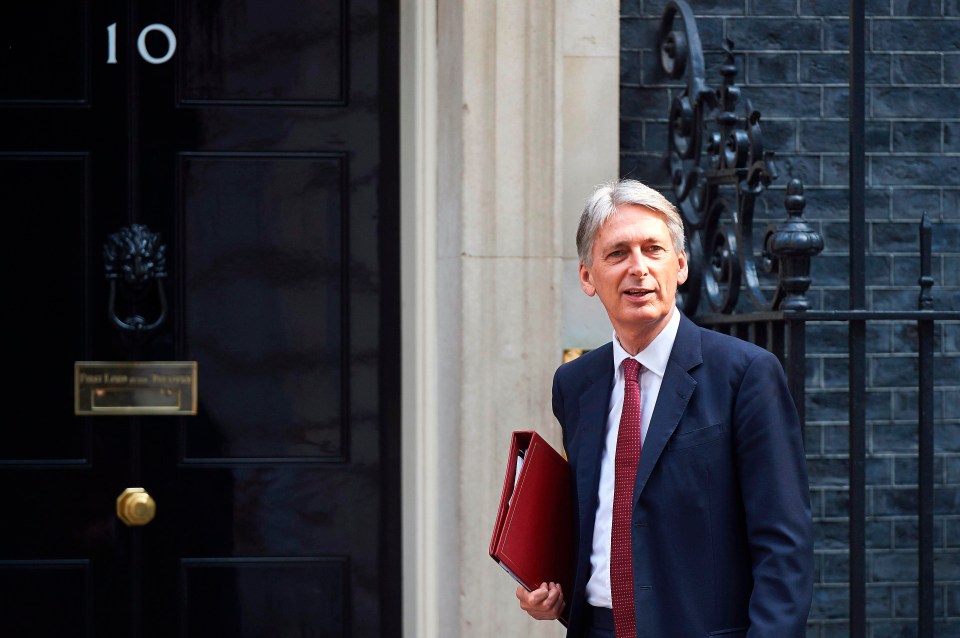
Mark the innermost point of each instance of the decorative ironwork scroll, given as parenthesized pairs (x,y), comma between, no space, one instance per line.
(134,258)
(719,170)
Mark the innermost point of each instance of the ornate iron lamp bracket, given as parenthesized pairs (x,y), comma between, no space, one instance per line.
(719,169)
(135,263)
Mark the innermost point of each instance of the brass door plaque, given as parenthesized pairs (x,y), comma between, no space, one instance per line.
(135,387)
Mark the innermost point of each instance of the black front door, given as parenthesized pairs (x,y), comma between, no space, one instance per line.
(256,143)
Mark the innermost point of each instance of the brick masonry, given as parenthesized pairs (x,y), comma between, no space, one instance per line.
(792,64)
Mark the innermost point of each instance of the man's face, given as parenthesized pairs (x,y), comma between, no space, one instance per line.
(635,271)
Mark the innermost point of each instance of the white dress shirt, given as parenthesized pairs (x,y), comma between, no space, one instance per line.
(653,363)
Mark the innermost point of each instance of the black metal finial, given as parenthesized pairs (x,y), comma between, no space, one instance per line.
(925,302)
(793,242)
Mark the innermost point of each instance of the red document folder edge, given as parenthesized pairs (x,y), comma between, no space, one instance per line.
(533,535)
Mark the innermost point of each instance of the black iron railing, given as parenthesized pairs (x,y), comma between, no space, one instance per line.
(719,169)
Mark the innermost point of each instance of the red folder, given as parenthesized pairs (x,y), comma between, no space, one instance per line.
(533,535)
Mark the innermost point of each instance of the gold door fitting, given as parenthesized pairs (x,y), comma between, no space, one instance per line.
(135,507)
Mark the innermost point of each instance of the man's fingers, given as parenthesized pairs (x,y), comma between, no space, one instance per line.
(555,598)
(533,598)
(542,603)
(553,594)
(525,597)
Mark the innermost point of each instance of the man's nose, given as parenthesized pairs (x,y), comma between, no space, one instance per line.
(638,265)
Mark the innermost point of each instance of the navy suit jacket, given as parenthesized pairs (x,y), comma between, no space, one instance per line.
(722,532)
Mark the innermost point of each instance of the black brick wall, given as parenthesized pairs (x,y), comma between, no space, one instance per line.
(792,64)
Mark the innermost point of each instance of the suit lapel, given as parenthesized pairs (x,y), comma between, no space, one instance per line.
(675,393)
(594,405)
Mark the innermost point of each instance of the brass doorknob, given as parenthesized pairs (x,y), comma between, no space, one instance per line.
(135,506)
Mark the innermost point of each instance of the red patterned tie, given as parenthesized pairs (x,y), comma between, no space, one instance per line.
(625,472)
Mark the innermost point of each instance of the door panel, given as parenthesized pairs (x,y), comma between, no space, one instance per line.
(265,302)
(37,47)
(263,153)
(244,53)
(278,597)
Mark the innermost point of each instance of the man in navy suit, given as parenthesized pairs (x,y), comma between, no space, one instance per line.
(717,532)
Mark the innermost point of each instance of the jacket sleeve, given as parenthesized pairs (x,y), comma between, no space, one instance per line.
(772,471)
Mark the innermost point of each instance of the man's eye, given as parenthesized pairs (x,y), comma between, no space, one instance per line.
(616,253)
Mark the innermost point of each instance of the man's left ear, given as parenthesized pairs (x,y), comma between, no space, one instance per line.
(682,273)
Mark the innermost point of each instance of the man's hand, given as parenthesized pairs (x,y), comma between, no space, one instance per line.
(543,603)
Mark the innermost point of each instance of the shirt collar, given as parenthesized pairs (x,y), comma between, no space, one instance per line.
(655,356)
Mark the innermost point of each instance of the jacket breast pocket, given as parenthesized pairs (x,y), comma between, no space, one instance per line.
(693,438)
(739,632)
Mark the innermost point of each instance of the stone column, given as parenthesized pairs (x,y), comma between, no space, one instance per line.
(501,257)
(591,147)
(487,91)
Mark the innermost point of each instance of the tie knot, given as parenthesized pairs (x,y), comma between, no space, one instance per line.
(631,369)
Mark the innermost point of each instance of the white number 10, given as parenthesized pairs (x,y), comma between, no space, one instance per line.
(142,43)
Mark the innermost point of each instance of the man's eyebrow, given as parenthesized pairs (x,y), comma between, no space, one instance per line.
(650,239)
(614,245)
